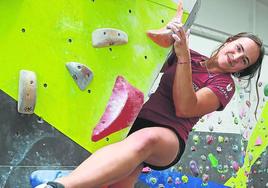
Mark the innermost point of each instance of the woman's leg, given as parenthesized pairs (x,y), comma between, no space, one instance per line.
(155,145)
(128,182)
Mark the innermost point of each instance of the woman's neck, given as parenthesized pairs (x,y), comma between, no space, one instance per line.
(211,66)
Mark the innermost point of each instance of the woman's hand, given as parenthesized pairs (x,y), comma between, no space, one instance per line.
(181,42)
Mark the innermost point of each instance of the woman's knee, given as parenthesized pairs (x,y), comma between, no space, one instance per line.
(144,140)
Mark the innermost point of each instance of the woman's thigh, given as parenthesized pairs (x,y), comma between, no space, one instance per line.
(161,144)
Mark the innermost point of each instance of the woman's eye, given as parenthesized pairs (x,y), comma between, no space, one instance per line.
(238,48)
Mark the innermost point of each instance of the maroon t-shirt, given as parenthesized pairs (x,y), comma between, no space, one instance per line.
(160,106)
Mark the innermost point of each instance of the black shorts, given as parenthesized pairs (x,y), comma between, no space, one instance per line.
(143,123)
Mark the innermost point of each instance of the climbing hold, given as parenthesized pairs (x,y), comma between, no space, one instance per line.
(258,141)
(163,37)
(213,160)
(205,178)
(259,84)
(209,139)
(222,177)
(81,74)
(248,103)
(194,168)
(219,120)
(220,139)
(226,139)
(235,166)
(236,120)
(201,169)
(27,92)
(193,148)
(266,90)
(203,157)
(220,168)
(40,120)
(107,37)
(169,180)
(210,128)
(184,179)
(153,180)
(180,168)
(146,170)
(258,163)
(219,149)
(196,139)
(225,168)
(122,109)
(177,181)
(235,148)
(161,186)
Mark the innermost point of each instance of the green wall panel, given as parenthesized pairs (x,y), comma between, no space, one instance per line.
(42,36)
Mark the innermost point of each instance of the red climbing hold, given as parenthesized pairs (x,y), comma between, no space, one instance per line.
(122,109)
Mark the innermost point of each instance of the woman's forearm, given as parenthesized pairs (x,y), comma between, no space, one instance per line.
(184,96)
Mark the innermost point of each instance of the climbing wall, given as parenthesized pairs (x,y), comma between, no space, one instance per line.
(42,37)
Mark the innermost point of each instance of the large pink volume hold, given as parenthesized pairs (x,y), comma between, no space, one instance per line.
(122,109)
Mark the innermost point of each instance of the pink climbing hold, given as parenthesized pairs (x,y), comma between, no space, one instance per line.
(258,141)
(209,139)
(146,170)
(121,111)
(235,166)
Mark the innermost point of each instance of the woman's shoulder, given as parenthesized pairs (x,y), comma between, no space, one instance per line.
(196,56)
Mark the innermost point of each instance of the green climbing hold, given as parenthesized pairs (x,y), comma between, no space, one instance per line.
(220,139)
(196,139)
(213,160)
(266,90)
(153,180)
(184,179)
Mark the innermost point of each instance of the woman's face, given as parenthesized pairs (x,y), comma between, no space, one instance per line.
(237,55)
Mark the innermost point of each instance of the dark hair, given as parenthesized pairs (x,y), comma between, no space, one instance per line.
(252,70)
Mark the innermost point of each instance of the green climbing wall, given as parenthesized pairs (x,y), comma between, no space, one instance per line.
(253,151)
(42,36)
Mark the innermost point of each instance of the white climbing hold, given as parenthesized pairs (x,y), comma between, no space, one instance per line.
(81,74)
(27,92)
(108,36)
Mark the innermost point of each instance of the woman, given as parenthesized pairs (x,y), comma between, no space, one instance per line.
(192,85)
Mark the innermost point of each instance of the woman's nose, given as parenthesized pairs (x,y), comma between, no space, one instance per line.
(238,56)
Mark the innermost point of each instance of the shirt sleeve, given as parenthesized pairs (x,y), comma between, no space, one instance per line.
(223,86)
